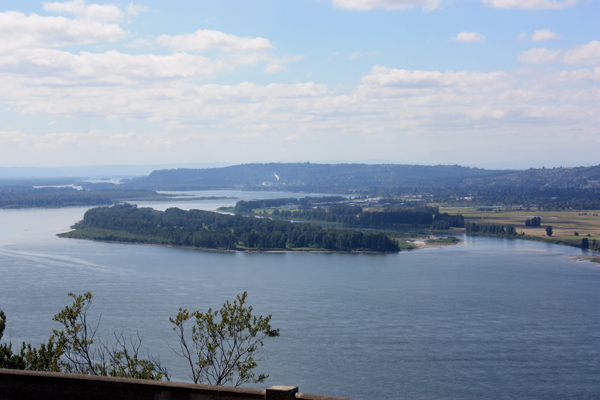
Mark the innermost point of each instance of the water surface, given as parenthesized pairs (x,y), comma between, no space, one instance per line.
(488,318)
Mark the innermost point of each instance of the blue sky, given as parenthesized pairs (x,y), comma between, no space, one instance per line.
(471,82)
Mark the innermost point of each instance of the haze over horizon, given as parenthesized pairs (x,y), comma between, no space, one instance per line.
(470,82)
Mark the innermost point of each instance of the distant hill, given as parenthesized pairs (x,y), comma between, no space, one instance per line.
(305,176)
(579,177)
(352,177)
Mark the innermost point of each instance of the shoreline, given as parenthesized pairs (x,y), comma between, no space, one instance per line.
(419,246)
(231,251)
(422,244)
(531,238)
(585,257)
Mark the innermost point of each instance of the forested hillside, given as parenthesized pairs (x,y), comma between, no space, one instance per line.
(366,177)
(551,189)
(542,178)
(308,177)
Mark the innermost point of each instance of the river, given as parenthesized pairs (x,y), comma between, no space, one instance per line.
(486,319)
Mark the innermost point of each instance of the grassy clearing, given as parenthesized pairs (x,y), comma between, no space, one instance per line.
(564,223)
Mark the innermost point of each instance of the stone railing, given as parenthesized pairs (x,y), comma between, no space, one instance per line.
(17,385)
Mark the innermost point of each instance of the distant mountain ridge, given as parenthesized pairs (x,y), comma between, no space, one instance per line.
(348,177)
(318,175)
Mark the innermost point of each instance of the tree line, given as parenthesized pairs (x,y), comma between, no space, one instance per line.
(246,206)
(27,197)
(353,215)
(204,229)
(490,229)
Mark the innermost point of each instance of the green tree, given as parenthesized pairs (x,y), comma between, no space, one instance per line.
(86,354)
(549,230)
(585,243)
(46,358)
(222,346)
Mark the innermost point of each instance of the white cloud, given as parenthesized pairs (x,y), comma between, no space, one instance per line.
(386,98)
(20,31)
(13,136)
(531,4)
(543,34)
(28,60)
(584,54)
(134,9)
(401,78)
(366,5)
(91,139)
(391,106)
(49,66)
(107,12)
(468,37)
(398,107)
(28,47)
(274,68)
(539,56)
(203,40)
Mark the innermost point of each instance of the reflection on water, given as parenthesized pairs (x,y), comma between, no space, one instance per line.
(488,318)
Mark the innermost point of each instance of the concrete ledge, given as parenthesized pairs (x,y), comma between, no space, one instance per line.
(17,385)
(50,385)
(319,397)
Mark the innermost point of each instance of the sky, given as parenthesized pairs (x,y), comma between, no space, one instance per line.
(487,83)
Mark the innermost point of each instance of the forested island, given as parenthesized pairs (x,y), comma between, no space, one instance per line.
(213,231)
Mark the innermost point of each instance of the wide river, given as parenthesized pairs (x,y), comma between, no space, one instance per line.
(486,319)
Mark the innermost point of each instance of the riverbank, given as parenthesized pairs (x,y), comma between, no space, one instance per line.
(212,250)
(568,227)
